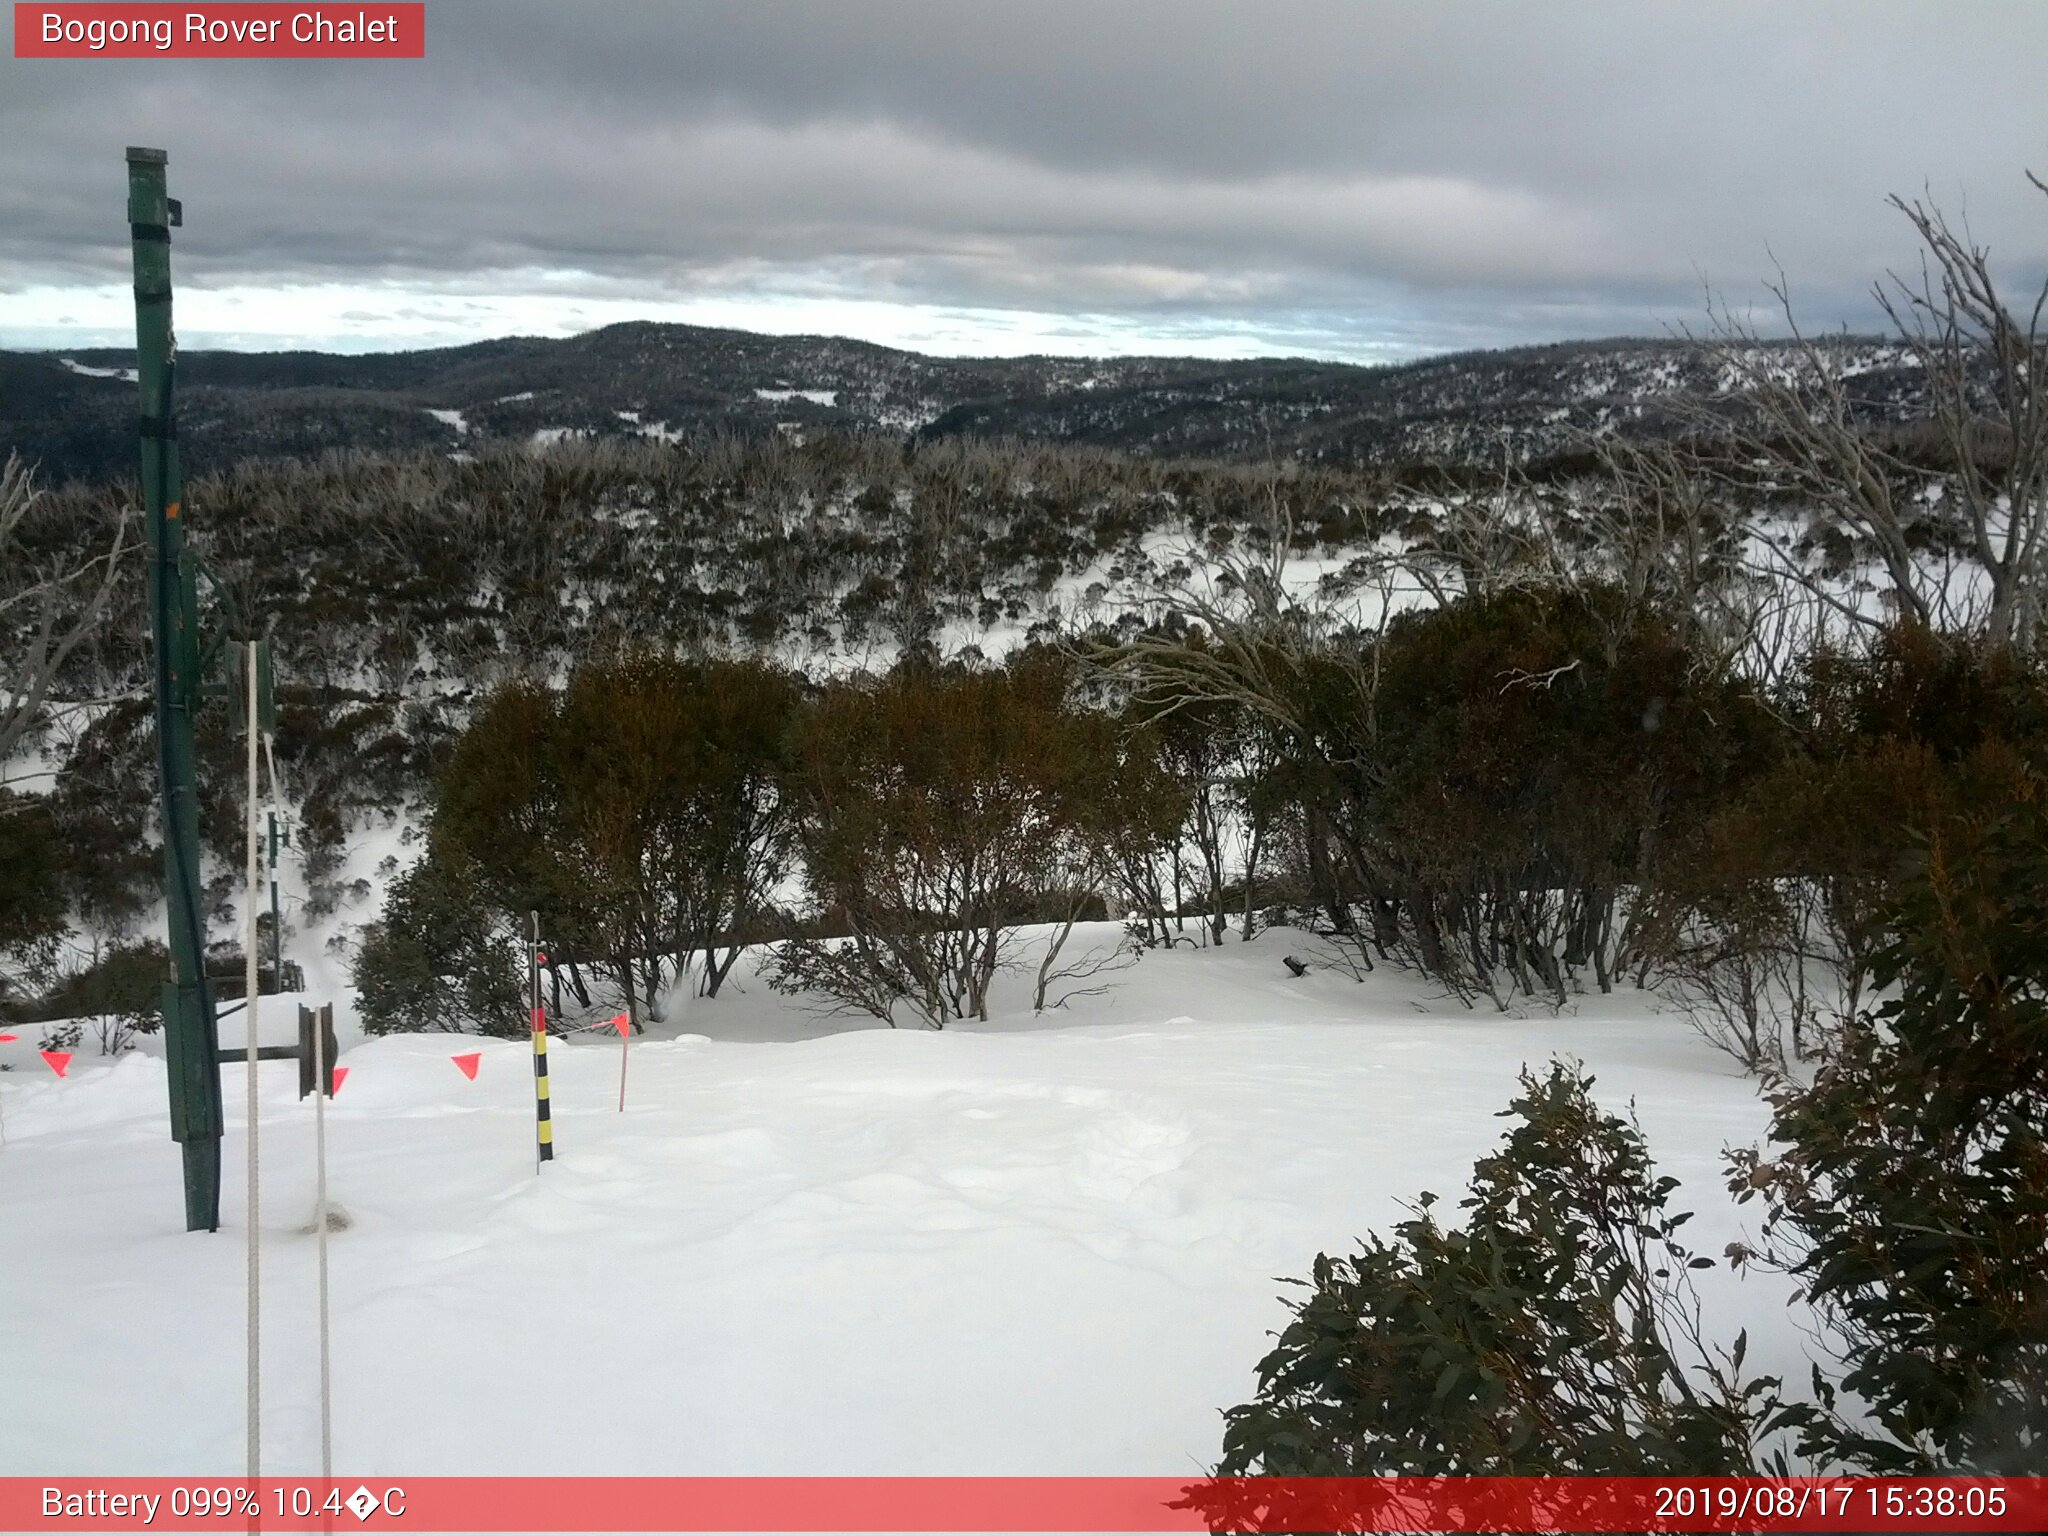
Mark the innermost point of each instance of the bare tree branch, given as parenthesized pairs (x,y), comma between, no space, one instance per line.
(1981,365)
(47,609)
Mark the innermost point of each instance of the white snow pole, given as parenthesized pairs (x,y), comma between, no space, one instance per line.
(320,1227)
(254,1343)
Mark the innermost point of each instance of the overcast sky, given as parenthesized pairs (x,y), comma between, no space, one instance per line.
(1342,178)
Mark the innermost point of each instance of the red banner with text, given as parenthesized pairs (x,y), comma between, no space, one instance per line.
(101,31)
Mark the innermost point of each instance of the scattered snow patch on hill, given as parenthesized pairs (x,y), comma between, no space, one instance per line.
(100,373)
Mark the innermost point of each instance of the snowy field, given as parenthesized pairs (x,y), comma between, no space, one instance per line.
(1035,1246)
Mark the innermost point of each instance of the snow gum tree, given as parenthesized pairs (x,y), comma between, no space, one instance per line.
(672,771)
(440,958)
(1482,786)
(639,811)
(935,813)
(1534,762)
(32,907)
(1215,749)
(1766,917)
(53,599)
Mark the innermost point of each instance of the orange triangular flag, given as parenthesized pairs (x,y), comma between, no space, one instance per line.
(622,1023)
(4,1038)
(469,1063)
(60,1061)
(339,1074)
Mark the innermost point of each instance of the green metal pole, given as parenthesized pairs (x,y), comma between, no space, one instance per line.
(192,1044)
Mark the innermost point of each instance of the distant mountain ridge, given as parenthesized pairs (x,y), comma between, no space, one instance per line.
(73,412)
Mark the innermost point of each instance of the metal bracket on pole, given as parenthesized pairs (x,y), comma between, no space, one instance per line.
(321,1050)
(304,1052)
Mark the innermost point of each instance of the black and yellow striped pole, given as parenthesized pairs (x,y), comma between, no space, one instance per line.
(544,1149)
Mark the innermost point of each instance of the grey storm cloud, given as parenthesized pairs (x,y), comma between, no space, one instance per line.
(1467,172)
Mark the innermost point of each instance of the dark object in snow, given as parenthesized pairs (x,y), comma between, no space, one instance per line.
(338,1220)
(1299,967)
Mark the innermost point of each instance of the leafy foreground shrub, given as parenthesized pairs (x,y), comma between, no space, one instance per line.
(1556,1334)
(1912,1199)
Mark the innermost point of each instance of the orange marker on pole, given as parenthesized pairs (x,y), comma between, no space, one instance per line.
(58,1062)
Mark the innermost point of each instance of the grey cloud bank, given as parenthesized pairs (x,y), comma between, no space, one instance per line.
(1343,179)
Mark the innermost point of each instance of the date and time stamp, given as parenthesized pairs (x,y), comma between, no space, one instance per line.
(1755,1505)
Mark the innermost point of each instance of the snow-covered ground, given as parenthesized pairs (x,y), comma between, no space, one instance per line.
(1042,1245)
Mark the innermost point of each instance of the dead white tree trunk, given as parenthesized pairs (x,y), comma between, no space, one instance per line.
(48,607)
(1982,363)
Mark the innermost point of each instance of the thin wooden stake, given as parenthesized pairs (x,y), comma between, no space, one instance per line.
(625,1046)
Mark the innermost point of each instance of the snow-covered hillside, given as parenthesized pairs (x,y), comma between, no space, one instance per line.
(699,383)
(1043,1245)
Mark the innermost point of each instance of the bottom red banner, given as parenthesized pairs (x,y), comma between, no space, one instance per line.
(1019,1504)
